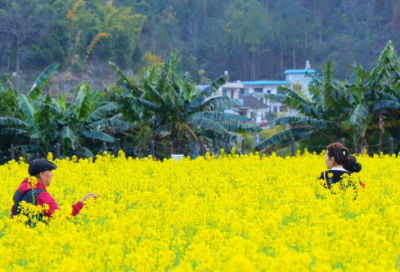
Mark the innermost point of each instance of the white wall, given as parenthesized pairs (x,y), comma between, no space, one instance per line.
(250,88)
(300,79)
(266,88)
(258,113)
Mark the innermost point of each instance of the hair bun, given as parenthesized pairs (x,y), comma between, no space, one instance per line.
(357,167)
(352,165)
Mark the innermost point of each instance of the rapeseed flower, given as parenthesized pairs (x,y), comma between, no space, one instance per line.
(231,213)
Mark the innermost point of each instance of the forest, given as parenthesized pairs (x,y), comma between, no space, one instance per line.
(77,74)
(163,113)
(252,39)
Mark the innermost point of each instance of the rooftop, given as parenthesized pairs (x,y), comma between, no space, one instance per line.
(310,71)
(264,82)
(250,101)
(233,85)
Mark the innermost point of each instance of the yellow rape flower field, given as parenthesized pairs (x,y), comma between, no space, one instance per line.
(227,214)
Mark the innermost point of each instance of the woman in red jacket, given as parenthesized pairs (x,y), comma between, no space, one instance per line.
(42,170)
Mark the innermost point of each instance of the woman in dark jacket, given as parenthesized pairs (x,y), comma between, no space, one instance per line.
(339,162)
(336,157)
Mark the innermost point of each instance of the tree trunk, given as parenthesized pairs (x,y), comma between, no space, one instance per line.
(306,38)
(17,82)
(381,130)
(258,63)
(320,35)
(294,58)
(366,144)
(153,38)
(241,65)
(8,54)
(253,73)
(8,62)
(281,62)
(174,140)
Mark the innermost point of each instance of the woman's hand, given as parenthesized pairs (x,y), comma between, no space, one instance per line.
(89,196)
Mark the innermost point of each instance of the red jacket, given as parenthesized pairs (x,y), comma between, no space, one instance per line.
(46,198)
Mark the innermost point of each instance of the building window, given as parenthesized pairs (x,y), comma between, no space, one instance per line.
(242,91)
(275,108)
(269,92)
(224,93)
(281,92)
(258,90)
(232,94)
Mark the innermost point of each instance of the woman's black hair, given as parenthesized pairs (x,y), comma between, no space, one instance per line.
(352,166)
(339,153)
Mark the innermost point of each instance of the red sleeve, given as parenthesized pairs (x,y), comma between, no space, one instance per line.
(46,198)
(77,208)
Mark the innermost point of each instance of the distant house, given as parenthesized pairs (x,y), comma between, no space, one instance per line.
(252,107)
(298,77)
(230,89)
(262,87)
(251,94)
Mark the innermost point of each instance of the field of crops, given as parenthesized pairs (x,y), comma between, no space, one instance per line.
(227,214)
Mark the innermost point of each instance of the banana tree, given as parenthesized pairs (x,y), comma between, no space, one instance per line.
(354,107)
(376,95)
(87,122)
(318,117)
(41,114)
(172,105)
(47,121)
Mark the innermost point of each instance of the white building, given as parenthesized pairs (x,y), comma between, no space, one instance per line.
(262,87)
(230,89)
(251,94)
(299,77)
(251,107)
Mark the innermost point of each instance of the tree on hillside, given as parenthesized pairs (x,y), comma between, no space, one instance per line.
(215,49)
(103,31)
(21,21)
(291,27)
(250,39)
(8,102)
(124,31)
(250,31)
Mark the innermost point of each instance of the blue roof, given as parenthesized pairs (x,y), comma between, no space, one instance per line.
(310,71)
(264,82)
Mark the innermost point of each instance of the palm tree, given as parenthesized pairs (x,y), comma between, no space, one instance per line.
(88,121)
(378,97)
(317,117)
(171,104)
(47,121)
(354,107)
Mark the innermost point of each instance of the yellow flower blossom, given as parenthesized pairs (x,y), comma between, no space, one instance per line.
(231,213)
(32,182)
